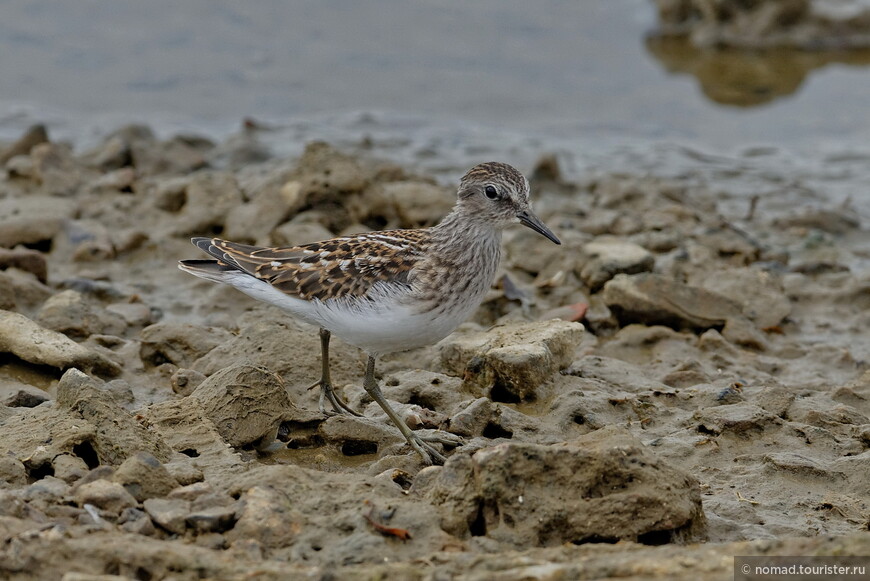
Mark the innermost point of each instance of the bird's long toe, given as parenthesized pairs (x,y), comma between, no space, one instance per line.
(429,454)
(327,394)
(441,437)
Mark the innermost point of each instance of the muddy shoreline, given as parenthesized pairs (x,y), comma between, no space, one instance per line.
(675,385)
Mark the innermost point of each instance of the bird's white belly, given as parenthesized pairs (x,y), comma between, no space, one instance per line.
(388,328)
(379,326)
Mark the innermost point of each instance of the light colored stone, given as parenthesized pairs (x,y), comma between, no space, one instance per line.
(607,256)
(12,472)
(245,403)
(29,341)
(603,486)
(759,293)
(169,514)
(68,312)
(33,219)
(109,496)
(144,477)
(516,357)
(178,343)
(117,434)
(14,394)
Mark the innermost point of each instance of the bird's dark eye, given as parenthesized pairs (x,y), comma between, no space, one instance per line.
(490,192)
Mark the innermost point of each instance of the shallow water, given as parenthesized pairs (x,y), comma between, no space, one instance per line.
(439,86)
(580,71)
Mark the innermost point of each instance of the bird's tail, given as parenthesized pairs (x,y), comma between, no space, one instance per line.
(207,269)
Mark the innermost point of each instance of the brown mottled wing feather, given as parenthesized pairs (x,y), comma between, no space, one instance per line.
(347,266)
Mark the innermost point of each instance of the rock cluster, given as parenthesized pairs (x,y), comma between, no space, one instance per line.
(666,376)
(804,24)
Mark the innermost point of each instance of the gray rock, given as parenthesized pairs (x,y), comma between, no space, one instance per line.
(265,515)
(134,314)
(245,403)
(185,471)
(218,518)
(427,389)
(184,381)
(515,358)
(12,472)
(183,425)
(800,465)
(109,496)
(69,468)
(117,435)
(136,521)
(86,240)
(287,347)
(173,156)
(205,200)
(21,291)
(738,418)
(836,221)
(32,220)
(656,299)
(775,400)
(144,477)
(27,340)
(407,204)
(253,221)
(69,312)
(33,136)
(324,172)
(20,166)
(26,260)
(118,180)
(168,514)
(14,394)
(601,486)
(46,491)
(358,436)
(191,491)
(607,256)
(759,293)
(178,343)
(112,154)
(472,420)
(58,172)
(295,233)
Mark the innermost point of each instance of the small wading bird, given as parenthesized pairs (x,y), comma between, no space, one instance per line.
(386,291)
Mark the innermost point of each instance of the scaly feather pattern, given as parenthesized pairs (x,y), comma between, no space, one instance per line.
(337,268)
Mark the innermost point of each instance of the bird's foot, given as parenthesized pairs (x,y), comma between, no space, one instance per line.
(440,437)
(429,454)
(327,394)
(421,440)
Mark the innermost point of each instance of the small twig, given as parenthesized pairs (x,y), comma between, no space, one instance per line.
(753,204)
(403,534)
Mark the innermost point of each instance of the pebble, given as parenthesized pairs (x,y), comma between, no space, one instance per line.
(144,477)
(31,342)
(607,256)
(109,496)
(25,259)
(168,514)
(515,358)
(14,394)
(178,343)
(604,485)
(245,403)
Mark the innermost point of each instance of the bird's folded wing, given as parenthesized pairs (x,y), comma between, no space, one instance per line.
(341,267)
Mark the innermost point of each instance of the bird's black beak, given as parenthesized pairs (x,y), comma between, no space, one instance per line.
(527,218)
